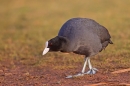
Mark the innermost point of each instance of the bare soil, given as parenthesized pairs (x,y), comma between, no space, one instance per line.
(22,75)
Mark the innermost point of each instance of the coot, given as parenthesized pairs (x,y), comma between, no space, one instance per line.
(82,36)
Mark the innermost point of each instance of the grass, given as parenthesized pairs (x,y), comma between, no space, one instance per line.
(25,26)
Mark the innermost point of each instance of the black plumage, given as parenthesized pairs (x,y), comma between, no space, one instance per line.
(81,36)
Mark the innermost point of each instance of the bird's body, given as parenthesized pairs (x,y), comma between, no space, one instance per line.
(82,36)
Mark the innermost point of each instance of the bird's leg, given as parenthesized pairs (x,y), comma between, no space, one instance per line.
(82,72)
(92,70)
(85,63)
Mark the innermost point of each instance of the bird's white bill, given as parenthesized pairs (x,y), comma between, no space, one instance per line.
(46,49)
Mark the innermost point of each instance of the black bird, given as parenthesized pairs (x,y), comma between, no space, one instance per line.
(82,36)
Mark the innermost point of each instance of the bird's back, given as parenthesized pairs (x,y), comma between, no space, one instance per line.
(84,33)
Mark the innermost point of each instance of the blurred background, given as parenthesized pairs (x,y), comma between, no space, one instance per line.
(25,25)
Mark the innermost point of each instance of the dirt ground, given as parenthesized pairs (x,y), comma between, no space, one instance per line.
(22,75)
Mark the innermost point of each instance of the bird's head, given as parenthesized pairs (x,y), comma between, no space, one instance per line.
(55,44)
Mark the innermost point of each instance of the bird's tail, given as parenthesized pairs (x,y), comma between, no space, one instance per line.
(110,42)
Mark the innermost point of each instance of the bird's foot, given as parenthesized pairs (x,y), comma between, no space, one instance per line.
(92,71)
(77,75)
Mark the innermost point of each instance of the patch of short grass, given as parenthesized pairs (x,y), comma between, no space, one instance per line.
(26,25)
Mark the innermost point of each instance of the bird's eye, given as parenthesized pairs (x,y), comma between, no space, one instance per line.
(50,43)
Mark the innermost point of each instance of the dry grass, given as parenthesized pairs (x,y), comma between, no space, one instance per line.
(25,25)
